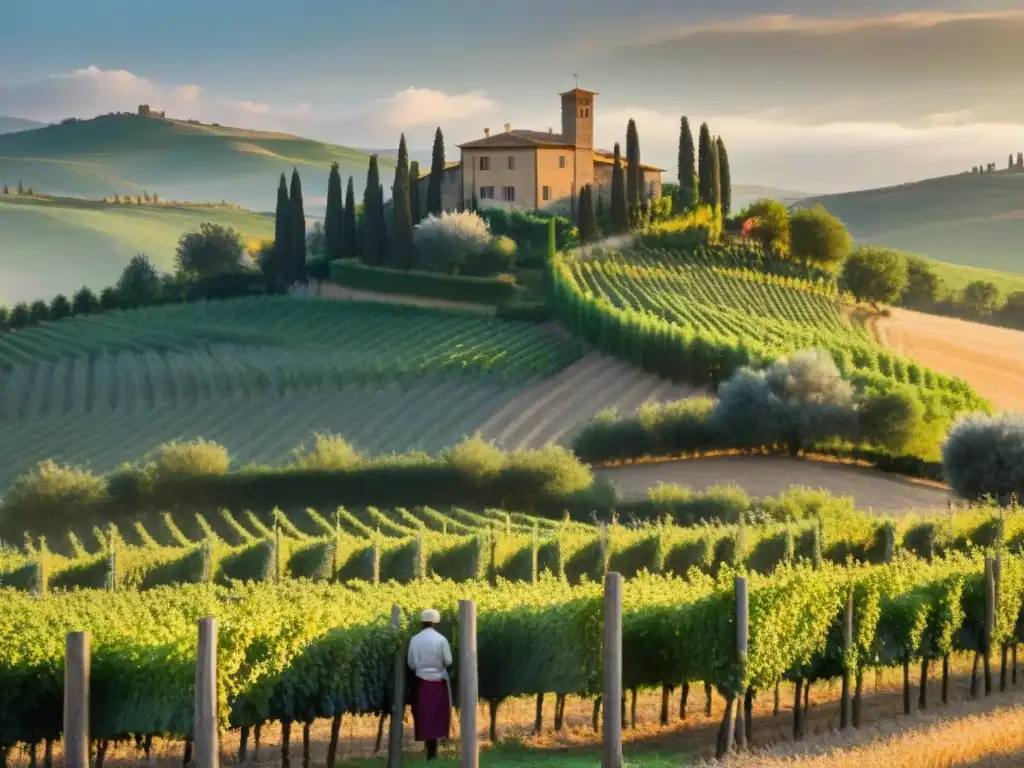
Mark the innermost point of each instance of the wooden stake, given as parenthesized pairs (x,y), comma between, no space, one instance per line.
(612,689)
(397,695)
(207,750)
(77,664)
(742,641)
(469,685)
(844,704)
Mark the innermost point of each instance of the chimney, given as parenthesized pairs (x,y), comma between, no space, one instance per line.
(508,127)
(487,132)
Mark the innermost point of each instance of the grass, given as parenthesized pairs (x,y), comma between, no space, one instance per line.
(126,154)
(56,245)
(506,757)
(971,225)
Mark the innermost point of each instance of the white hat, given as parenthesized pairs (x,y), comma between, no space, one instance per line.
(431,616)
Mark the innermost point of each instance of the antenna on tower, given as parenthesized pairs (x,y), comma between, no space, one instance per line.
(577,78)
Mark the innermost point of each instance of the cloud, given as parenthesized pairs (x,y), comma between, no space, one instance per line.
(828,157)
(93,91)
(901,67)
(423,106)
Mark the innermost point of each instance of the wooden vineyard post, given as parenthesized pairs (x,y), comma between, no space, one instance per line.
(398,696)
(990,621)
(206,750)
(742,642)
(612,688)
(77,663)
(844,708)
(469,685)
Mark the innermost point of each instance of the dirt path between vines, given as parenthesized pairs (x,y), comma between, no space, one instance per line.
(771,475)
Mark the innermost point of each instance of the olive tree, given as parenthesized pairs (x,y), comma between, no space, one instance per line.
(447,242)
(983,457)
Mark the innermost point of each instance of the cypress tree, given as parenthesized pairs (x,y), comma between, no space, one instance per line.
(297,272)
(282,235)
(436,172)
(414,192)
(619,212)
(372,248)
(382,225)
(401,214)
(588,221)
(633,191)
(599,210)
(349,233)
(705,172)
(725,177)
(334,218)
(686,198)
(716,178)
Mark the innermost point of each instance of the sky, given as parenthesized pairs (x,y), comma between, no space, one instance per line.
(817,96)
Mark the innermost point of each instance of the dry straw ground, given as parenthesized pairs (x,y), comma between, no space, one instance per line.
(990,359)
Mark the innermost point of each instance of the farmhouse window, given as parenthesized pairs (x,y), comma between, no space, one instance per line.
(561,161)
(508,194)
(486,193)
(511,163)
(546,193)
(485,163)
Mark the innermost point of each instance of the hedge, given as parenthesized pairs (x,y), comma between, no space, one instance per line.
(476,290)
(530,228)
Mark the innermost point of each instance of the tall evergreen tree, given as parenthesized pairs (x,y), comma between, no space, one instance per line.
(382,225)
(587,220)
(282,235)
(716,178)
(414,192)
(686,197)
(350,234)
(298,252)
(705,171)
(599,210)
(334,218)
(1010,164)
(634,194)
(401,213)
(372,248)
(725,177)
(436,172)
(619,212)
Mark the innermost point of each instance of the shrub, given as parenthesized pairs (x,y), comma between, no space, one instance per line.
(924,287)
(50,491)
(19,317)
(877,275)
(983,457)
(328,452)
(195,458)
(892,419)
(447,242)
(654,430)
(499,256)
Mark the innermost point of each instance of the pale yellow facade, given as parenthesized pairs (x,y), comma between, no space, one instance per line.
(535,170)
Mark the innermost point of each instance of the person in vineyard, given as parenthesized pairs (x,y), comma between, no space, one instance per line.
(430,655)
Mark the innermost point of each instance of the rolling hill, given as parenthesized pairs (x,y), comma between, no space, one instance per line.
(745,194)
(57,245)
(10,124)
(127,154)
(973,223)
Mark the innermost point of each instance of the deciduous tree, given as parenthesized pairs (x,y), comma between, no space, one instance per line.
(60,307)
(767,221)
(981,297)
(84,302)
(139,283)
(878,275)
(213,250)
(924,286)
(817,238)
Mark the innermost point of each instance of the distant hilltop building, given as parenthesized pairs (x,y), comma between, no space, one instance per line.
(536,170)
(146,111)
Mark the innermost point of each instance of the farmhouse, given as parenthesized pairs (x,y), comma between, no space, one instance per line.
(536,170)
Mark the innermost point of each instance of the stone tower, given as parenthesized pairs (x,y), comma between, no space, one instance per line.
(578,130)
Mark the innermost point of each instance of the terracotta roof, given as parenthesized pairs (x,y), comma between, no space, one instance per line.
(579,90)
(604,156)
(519,138)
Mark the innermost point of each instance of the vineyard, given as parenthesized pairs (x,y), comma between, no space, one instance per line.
(259,375)
(698,316)
(299,651)
(406,545)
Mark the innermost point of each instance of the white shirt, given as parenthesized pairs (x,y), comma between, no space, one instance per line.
(429,655)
